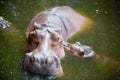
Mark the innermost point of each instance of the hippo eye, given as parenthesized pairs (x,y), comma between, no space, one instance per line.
(56,39)
(33,34)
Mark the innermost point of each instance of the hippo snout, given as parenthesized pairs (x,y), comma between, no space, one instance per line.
(49,66)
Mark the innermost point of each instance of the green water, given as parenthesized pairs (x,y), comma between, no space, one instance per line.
(103,34)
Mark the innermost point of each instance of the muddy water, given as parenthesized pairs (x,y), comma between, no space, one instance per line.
(101,31)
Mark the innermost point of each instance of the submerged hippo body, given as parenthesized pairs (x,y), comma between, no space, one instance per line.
(46,33)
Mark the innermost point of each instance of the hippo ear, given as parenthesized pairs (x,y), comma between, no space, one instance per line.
(33,36)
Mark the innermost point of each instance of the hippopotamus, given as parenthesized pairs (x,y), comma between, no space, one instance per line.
(46,33)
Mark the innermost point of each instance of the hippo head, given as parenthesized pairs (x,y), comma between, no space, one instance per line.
(44,50)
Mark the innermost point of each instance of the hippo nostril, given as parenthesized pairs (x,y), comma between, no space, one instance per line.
(32,59)
(57,61)
(43,61)
(47,61)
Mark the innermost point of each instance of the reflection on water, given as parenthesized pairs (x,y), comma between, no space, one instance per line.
(100,31)
(13,9)
(109,62)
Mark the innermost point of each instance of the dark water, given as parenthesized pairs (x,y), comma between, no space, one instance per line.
(102,32)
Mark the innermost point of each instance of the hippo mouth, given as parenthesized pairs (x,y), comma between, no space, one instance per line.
(41,67)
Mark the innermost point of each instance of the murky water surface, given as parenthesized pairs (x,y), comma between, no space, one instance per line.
(102,32)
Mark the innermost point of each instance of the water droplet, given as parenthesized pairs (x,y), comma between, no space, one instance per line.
(1,2)
(105,12)
(96,3)
(97,11)
(11,73)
